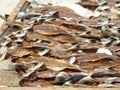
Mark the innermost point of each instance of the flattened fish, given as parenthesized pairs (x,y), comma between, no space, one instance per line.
(46,74)
(64,38)
(94,57)
(62,11)
(49,29)
(35,44)
(19,52)
(32,36)
(59,64)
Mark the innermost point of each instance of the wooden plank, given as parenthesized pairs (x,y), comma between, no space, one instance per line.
(55,88)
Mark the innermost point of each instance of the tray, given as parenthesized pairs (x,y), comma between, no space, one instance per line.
(4,30)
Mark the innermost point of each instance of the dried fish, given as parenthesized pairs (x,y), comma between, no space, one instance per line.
(112,80)
(35,44)
(32,17)
(49,29)
(64,39)
(63,11)
(51,14)
(91,66)
(59,65)
(18,52)
(29,26)
(101,73)
(77,76)
(78,26)
(73,47)
(43,52)
(20,34)
(60,54)
(78,9)
(87,80)
(103,50)
(94,57)
(106,41)
(117,4)
(61,78)
(32,69)
(35,36)
(47,74)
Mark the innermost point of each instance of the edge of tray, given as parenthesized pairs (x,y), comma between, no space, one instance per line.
(12,16)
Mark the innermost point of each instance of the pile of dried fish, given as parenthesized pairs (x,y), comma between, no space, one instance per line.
(61,45)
